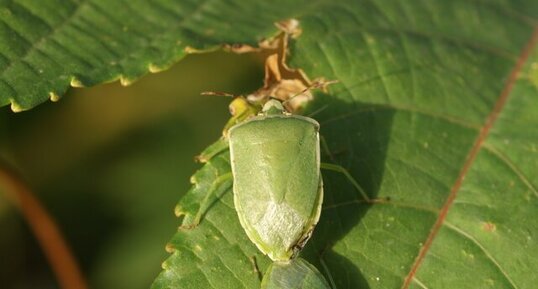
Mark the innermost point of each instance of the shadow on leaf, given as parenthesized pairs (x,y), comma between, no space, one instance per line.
(356,136)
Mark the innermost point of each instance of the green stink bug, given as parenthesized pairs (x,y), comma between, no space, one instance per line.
(277,205)
(277,184)
(273,154)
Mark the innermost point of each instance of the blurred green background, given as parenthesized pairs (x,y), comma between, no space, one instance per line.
(110,163)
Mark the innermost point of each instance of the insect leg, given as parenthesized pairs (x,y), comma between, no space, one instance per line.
(342,170)
(255,267)
(217,189)
(213,150)
(327,271)
(325,147)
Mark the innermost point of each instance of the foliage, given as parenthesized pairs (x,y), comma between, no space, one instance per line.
(434,110)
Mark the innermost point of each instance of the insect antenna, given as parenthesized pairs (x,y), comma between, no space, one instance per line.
(217,93)
(317,111)
(315,85)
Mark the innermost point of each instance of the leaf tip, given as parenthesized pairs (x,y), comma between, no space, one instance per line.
(125,81)
(153,68)
(75,82)
(170,248)
(190,50)
(15,107)
(201,158)
(53,96)
(193,180)
(178,211)
(164,265)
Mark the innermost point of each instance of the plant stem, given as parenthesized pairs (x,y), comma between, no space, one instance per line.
(44,229)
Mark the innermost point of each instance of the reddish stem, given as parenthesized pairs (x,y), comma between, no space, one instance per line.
(44,229)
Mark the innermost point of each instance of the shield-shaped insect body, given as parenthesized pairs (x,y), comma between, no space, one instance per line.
(277,182)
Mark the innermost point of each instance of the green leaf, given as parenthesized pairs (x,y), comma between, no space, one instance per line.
(48,45)
(436,111)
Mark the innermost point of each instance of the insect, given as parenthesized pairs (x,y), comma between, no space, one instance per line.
(297,273)
(277,186)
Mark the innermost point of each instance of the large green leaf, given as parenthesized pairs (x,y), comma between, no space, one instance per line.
(47,45)
(436,110)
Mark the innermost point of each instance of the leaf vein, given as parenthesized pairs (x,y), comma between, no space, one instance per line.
(484,250)
(419,283)
(512,166)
